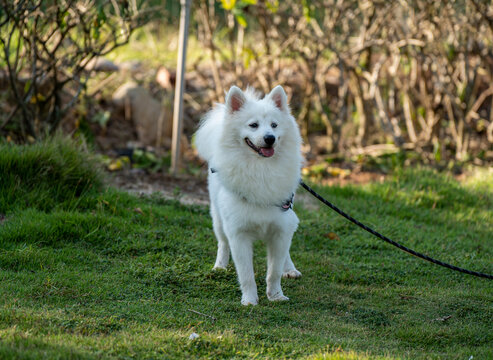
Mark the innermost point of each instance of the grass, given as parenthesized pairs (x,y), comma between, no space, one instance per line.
(88,272)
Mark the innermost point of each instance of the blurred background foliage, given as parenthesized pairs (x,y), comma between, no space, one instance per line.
(401,80)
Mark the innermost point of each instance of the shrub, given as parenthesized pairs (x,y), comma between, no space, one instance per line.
(54,172)
(46,47)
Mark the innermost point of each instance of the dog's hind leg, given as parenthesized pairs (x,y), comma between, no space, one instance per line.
(290,270)
(222,258)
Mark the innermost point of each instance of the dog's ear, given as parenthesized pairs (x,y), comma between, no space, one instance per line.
(235,99)
(278,96)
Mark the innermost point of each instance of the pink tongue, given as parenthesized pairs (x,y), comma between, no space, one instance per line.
(267,152)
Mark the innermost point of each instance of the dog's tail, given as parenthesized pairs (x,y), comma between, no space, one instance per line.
(209,133)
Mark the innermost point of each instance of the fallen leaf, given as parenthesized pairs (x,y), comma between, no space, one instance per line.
(332,236)
(445,318)
(119,163)
(338,172)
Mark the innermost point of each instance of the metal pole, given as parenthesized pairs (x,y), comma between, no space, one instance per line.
(180,85)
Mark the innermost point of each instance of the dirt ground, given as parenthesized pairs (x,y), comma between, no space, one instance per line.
(185,188)
(192,190)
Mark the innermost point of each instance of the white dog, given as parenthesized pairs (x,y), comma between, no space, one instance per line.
(253,148)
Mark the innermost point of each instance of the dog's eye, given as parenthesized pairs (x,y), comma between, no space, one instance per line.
(253,125)
(274,125)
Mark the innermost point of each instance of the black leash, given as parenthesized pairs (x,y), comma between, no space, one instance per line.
(386,239)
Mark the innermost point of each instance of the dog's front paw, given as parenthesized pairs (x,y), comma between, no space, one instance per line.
(279,296)
(249,300)
(292,274)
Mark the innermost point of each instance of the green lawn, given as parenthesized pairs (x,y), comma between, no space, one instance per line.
(88,272)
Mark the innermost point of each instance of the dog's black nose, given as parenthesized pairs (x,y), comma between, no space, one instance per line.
(269,139)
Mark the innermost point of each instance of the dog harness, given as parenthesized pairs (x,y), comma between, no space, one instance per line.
(288,204)
(285,206)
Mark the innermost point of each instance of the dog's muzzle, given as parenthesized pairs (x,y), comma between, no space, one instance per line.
(266,151)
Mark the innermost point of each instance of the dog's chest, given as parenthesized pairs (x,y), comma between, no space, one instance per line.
(260,185)
(261,229)
(252,218)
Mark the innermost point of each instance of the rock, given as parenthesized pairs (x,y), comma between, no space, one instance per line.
(145,113)
(131,66)
(193,336)
(165,78)
(102,65)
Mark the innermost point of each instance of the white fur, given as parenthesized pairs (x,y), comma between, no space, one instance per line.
(247,189)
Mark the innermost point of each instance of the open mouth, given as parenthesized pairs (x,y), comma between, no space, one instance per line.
(262,151)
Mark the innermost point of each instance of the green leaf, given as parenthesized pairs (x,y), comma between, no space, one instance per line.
(27,86)
(241,20)
(101,118)
(248,56)
(228,4)
(406,67)
(95,32)
(437,151)
(63,21)
(307,10)
(244,3)
(272,6)
(101,16)
(451,51)
(461,91)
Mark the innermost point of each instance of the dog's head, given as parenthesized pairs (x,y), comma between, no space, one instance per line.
(260,124)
